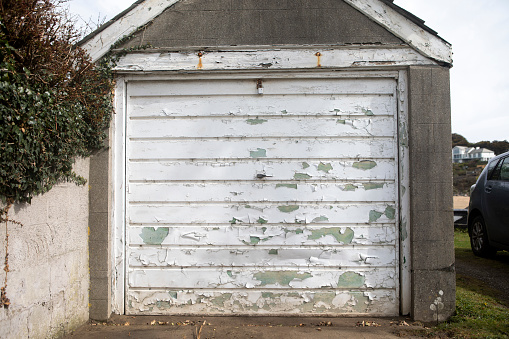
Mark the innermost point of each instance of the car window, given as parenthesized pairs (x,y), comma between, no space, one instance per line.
(504,170)
(491,167)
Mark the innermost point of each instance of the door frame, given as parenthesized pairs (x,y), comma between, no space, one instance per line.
(118,161)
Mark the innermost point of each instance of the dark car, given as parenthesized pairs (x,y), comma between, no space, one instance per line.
(488,211)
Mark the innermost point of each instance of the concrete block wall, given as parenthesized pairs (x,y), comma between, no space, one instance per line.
(48,280)
(432,232)
(100,235)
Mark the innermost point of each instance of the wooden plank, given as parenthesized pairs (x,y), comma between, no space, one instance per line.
(266,59)
(339,105)
(230,87)
(141,257)
(261,127)
(261,277)
(259,149)
(260,191)
(296,171)
(266,302)
(319,233)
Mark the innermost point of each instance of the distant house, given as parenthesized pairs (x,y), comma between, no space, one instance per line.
(461,154)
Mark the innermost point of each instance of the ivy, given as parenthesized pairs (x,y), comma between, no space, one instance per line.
(55,104)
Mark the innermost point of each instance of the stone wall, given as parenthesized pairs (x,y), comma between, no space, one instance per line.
(48,280)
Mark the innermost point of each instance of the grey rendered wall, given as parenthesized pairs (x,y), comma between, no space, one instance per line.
(432,232)
(48,259)
(100,235)
(211,23)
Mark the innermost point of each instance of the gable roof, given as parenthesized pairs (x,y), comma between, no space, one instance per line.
(395,19)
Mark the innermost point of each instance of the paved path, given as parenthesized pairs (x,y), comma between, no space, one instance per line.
(244,327)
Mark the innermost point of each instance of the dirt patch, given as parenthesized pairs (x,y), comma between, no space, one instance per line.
(460,202)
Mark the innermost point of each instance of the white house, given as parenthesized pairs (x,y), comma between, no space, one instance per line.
(461,154)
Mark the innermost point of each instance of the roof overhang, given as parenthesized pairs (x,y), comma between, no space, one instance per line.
(383,12)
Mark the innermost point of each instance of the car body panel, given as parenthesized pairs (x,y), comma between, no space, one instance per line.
(489,198)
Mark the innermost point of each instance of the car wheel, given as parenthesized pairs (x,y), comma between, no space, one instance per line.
(479,238)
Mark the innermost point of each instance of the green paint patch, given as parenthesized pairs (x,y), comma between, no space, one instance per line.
(345,238)
(404,232)
(284,111)
(254,240)
(248,206)
(234,221)
(341,121)
(230,273)
(320,218)
(305,165)
(299,231)
(264,229)
(288,208)
(325,167)
(220,300)
(256,121)
(360,302)
(367,112)
(351,280)
(350,187)
(261,221)
(374,215)
(273,251)
(364,165)
(301,176)
(390,212)
(372,186)
(282,278)
(152,236)
(294,186)
(259,153)
(173,294)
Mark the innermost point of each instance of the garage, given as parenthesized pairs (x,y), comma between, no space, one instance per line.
(262,196)
(273,158)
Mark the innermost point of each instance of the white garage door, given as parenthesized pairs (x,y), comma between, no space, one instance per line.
(277,203)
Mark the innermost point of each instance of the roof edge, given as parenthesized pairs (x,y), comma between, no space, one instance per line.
(384,12)
(413,31)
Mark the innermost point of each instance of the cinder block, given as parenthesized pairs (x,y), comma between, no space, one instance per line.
(98,198)
(100,309)
(420,80)
(433,255)
(100,288)
(434,295)
(99,229)
(99,256)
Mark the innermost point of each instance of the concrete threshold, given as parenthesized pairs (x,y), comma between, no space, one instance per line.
(247,327)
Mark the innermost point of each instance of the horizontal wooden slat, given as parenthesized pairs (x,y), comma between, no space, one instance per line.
(343,106)
(294,171)
(267,302)
(260,191)
(261,127)
(259,149)
(266,257)
(236,236)
(261,277)
(270,86)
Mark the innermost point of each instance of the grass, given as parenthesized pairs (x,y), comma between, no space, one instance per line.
(478,312)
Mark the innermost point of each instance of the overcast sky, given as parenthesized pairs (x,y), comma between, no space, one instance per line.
(479,33)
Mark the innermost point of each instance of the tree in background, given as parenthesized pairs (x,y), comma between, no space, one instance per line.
(496,146)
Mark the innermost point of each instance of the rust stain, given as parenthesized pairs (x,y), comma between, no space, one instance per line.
(200,63)
(318,63)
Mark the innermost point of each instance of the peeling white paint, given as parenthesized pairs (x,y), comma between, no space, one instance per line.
(256,58)
(283,208)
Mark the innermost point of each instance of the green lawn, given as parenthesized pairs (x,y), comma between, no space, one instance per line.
(478,312)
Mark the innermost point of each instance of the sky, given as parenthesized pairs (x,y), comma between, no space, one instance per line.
(479,33)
